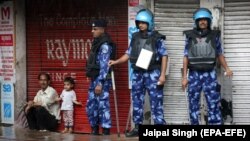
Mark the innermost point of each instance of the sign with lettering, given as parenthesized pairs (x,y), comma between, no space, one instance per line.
(133,2)
(7,102)
(7,68)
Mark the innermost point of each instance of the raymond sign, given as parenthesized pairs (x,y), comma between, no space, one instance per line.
(7,70)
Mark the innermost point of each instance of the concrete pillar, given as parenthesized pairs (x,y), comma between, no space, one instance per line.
(20,66)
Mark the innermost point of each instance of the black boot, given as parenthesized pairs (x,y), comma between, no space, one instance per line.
(95,130)
(105,131)
(134,132)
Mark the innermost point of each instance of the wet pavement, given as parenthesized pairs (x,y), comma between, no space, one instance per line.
(19,134)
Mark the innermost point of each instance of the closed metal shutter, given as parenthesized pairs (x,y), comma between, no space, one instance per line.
(237,53)
(172,18)
(58,42)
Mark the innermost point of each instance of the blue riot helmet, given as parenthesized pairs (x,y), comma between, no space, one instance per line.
(203,13)
(145,15)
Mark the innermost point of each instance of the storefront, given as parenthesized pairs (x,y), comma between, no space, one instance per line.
(232,18)
(58,42)
(172,18)
(54,36)
(237,51)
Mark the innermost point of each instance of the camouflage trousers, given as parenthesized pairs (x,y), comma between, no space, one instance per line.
(142,81)
(206,82)
(98,106)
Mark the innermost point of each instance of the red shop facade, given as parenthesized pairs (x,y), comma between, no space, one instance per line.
(59,40)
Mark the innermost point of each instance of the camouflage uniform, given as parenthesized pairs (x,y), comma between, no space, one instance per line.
(98,106)
(205,81)
(143,80)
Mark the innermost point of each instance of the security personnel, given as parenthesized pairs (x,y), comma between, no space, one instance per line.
(142,80)
(98,106)
(202,49)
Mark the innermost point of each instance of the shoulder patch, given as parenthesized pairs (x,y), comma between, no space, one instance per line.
(105,48)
